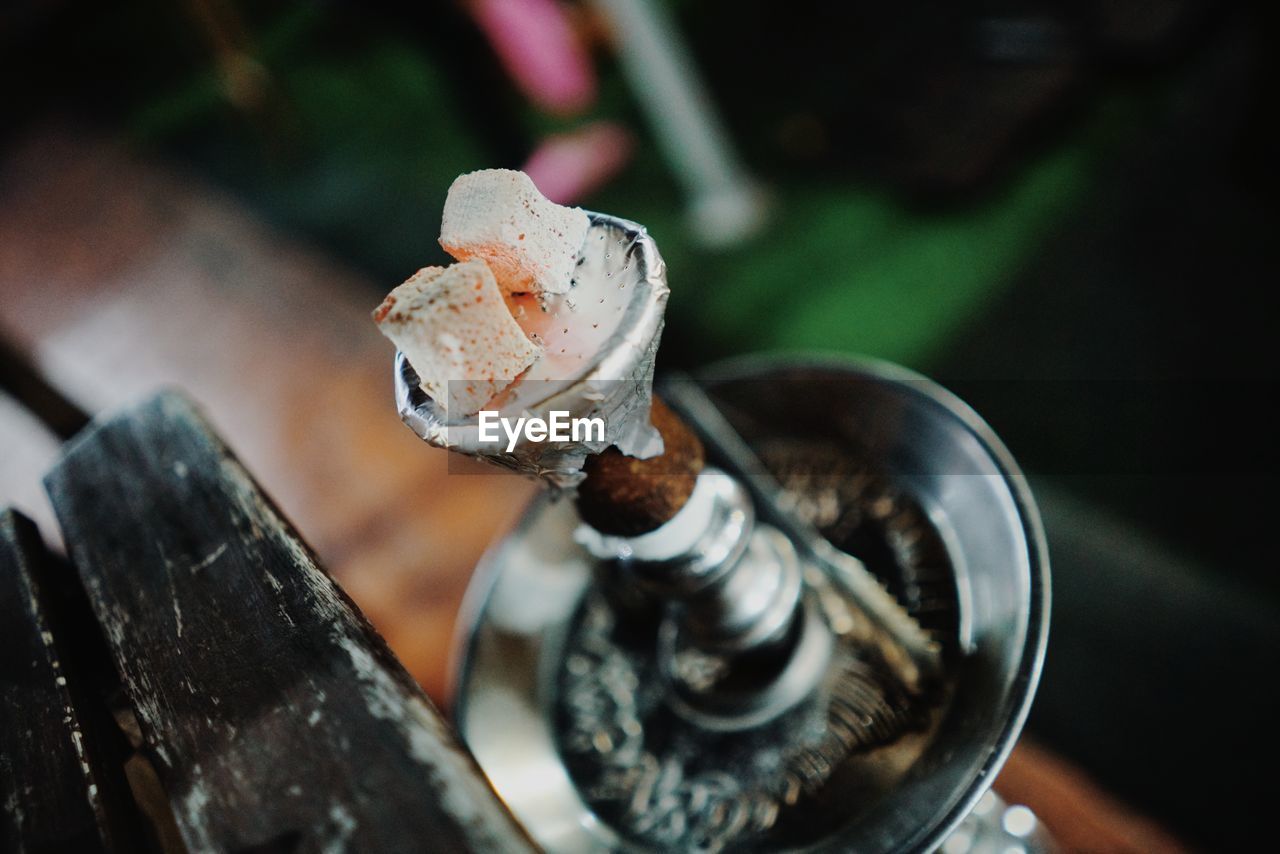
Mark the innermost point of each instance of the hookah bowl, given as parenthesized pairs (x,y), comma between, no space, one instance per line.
(573,732)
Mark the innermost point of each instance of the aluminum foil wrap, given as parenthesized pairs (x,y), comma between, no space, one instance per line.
(599,341)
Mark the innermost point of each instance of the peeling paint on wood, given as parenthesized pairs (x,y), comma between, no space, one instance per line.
(61,787)
(275,715)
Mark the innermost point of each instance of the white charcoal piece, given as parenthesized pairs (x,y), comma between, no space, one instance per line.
(455,329)
(530,243)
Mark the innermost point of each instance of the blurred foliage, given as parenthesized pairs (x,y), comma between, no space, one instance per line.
(359,131)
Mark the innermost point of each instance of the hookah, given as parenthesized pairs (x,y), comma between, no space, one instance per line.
(810,617)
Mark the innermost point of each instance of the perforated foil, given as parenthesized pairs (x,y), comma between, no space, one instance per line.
(599,341)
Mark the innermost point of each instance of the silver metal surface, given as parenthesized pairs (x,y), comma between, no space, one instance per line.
(738,582)
(598,341)
(731,591)
(915,655)
(531,591)
(994,827)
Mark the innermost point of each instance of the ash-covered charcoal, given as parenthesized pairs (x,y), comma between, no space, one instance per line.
(563,320)
(452,324)
(529,242)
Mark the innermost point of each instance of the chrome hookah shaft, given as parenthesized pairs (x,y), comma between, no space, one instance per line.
(915,656)
(741,642)
(733,601)
(681,534)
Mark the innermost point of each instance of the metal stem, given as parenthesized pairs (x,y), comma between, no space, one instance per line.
(910,650)
(739,583)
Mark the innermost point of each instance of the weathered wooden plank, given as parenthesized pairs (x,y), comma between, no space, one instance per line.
(62,787)
(274,714)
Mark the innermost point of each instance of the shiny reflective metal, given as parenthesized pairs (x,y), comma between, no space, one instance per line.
(598,346)
(994,827)
(937,451)
(738,593)
(738,582)
(914,656)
